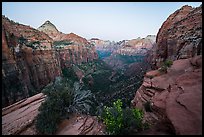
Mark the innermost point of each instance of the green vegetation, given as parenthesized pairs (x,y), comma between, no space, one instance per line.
(33,44)
(166,64)
(66,96)
(122,121)
(62,100)
(22,40)
(126,59)
(53,110)
(97,71)
(62,43)
(84,101)
(70,74)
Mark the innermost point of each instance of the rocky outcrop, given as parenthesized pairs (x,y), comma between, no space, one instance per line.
(19,30)
(19,118)
(180,36)
(175,97)
(50,29)
(81,125)
(30,62)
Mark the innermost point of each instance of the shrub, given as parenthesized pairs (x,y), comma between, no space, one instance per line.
(166,64)
(62,43)
(54,109)
(113,117)
(84,101)
(70,74)
(60,102)
(122,121)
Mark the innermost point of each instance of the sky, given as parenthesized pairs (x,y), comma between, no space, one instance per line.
(113,21)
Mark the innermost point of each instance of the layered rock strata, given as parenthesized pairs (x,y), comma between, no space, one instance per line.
(180,36)
(175,96)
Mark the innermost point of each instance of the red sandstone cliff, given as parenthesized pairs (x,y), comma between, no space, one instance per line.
(172,102)
(180,36)
(29,61)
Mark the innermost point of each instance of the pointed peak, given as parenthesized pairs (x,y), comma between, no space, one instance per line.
(48,22)
(48,26)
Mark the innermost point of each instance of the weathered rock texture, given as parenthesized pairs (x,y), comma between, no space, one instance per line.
(79,51)
(25,72)
(175,96)
(180,36)
(28,67)
(19,117)
(50,29)
(81,125)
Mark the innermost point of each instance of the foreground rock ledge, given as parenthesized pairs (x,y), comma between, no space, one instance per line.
(18,117)
(175,97)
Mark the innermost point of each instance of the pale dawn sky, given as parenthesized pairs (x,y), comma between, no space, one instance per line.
(104,20)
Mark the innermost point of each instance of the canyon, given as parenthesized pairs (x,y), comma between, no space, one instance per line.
(128,69)
(30,62)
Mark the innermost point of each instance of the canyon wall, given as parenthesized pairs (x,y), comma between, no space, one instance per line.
(172,101)
(180,36)
(30,62)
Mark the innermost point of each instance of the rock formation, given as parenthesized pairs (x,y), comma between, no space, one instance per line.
(180,36)
(25,71)
(172,101)
(50,29)
(30,61)
(134,51)
(175,97)
(137,46)
(19,117)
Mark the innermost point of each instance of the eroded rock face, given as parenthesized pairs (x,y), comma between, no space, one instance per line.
(139,46)
(27,68)
(175,96)
(19,30)
(79,51)
(50,29)
(180,35)
(25,72)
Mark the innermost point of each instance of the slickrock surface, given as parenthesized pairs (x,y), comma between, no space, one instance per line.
(175,96)
(18,118)
(81,125)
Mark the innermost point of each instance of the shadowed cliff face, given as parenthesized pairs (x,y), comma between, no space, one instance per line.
(29,61)
(180,35)
(25,71)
